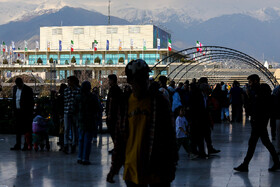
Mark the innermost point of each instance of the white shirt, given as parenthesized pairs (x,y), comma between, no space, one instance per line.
(183,123)
(18,95)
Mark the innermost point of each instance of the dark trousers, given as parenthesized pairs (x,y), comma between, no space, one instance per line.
(237,112)
(273,126)
(185,142)
(199,134)
(259,130)
(131,184)
(111,125)
(23,127)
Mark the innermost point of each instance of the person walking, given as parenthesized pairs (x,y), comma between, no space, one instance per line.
(23,106)
(86,110)
(260,105)
(112,105)
(145,137)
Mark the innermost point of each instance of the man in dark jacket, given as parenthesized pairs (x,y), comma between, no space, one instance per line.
(145,140)
(23,106)
(113,103)
(260,105)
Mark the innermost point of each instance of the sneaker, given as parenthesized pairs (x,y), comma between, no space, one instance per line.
(79,161)
(275,167)
(213,151)
(242,168)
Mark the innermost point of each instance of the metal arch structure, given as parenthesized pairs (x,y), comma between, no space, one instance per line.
(213,54)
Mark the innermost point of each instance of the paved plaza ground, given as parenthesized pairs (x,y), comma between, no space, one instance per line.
(53,168)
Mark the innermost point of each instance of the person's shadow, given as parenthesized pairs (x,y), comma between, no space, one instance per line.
(245,178)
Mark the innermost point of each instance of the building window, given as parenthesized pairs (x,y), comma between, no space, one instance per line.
(131,57)
(150,58)
(163,72)
(87,59)
(134,30)
(65,59)
(112,30)
(79,31)
(33,59)
(57,31)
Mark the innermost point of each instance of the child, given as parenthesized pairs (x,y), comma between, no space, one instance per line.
(182,133)
(40,127)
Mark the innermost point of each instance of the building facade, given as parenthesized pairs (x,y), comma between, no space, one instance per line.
(100,49)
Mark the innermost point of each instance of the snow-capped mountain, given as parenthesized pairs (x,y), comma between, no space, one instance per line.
(15,11)
(160,16)
(265,14)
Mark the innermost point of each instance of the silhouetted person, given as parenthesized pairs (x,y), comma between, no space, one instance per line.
(145,140)
(69,118)
(86,111)
(112,105)
(260,105)
(60,109)
(236,97)
(23,106)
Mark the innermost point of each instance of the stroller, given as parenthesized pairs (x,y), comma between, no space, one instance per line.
(40,127)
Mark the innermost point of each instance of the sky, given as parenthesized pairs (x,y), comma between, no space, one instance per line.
(203,8)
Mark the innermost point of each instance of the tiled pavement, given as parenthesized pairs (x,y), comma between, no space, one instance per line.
(53,168)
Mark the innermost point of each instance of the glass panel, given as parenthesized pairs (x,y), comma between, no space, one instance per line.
(87,59)
(164,72)
(97,58)
(54,57)
(150,58)
(134,30)
(131,57)
(77,57)
(78,31)
(112,58)
(64,59)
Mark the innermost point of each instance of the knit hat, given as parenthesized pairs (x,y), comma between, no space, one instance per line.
(136,68)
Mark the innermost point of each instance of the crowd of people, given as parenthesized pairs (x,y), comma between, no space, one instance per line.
(149,120)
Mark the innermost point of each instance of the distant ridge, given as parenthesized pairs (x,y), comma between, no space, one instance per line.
(19,31)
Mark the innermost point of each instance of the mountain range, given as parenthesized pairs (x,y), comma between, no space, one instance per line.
(254,33)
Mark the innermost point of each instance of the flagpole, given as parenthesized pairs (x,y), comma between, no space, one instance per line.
(167,50)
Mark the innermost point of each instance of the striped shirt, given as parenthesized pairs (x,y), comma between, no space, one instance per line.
(69,98)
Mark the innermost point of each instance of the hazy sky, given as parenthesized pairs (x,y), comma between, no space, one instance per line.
(204,8)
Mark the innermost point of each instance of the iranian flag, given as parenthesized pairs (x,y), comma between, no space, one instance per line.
(95,45)
(4,48)
(198,44)
(72,45)
(25,46)
(169,45)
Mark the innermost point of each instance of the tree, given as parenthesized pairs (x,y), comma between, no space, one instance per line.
(51,60)
(110,61)
(121,60)
(39,61)
(5,61)
(73,60)
(97,60)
